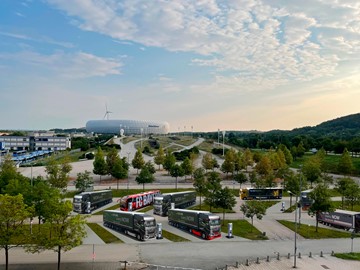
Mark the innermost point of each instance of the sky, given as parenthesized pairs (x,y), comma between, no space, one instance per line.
(200,65)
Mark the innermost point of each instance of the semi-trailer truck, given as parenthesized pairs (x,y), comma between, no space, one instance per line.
(139,225)
(200,223)
(347,220)
(162,202)
(138,201)
(85,202)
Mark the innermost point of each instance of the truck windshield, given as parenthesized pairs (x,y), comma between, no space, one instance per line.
(77,199)
(214,222)
(149,223)
(157,201)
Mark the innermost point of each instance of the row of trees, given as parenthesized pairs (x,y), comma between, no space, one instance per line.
(22,199)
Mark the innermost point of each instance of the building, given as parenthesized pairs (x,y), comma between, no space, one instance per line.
(34,142)
(127,127)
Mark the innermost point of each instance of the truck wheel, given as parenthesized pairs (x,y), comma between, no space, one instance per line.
(126,232)
(203,235)
(138,237)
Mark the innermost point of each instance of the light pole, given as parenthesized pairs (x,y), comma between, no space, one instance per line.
(141,132)
(295,247)
(223,133)
(128,154)
(218,136)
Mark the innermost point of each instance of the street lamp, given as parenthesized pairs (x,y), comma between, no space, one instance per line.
(223,133)
(295,247)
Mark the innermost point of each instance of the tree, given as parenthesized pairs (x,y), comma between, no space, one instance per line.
(212,186)
(352,194)
(169,161)
(241,178)
(208,162)
(145,177)
(62,231)
(176,171)
(8,172)
(321,201)
(159,159)
(83,181)
(345,165)
(342,185)
(247,159)
(100,166)
(119,169)
(292,185)
(13,213)
(251,209)
(287,154)
(225,199)
(58,172)
(228,165)
(263,167)
(200,182)
(300,150)
(111,157)
(312,169)
(138,162)
(187,167)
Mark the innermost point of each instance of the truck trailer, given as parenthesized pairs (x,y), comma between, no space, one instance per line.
(200,223)
(162,202)
(138,201)
(139,225)
(347,220)
(85,202)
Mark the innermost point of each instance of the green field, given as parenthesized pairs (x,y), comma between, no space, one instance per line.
(348,256)
(173,237)
(104,234)
(308,231)
(243,228)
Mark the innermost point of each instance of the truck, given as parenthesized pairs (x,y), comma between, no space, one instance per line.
(138,201)
(200,223)
(86,202)
(139,225)
(343,219)
(260,193)
(162,202)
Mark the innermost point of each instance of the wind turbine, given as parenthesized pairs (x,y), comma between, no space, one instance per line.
(107,113)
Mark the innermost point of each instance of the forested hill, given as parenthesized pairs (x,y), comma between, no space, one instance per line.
(342,127)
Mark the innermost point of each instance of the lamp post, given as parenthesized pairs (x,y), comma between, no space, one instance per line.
(295,247)
(223,133)
(141,132)
(128,154)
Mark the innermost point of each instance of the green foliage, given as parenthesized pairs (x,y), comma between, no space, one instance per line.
(8,172)
(58,172)
(176,171)
(321,201)
(251,209)
(138,162)
(169,161)
(100,166)
(345,165)
(241,178)
(208,162)
(200,182)
(146,176)
(180,156)
(159,158)
(104,234)
(187,166)
(83,181)
(348,256)
(228,165)
(224,199)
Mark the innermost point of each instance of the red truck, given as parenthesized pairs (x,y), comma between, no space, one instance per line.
(138,201)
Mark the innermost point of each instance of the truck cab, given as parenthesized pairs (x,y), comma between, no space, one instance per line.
(149,227)
(161,205)
(214,226)
(80,203)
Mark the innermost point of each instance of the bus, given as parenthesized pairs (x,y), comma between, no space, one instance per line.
(137,201)
(260,193)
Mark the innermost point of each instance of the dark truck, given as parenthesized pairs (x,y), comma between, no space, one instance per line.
(85,202)
(162,202)
(139,225)
(347,220)
(200,223)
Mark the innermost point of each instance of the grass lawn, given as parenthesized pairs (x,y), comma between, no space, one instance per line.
(337,205)
(206,146)
(173,237)
(243,229)
(348,256)
(309,232)
(114,207)
(205,207)
(104,234)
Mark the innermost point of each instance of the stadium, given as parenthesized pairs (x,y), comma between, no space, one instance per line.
(127,127)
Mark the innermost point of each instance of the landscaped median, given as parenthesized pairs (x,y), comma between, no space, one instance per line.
(243,228)
(348,256)
(104,234)
(309,231)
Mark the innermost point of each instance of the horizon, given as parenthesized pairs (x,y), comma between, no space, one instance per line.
(229,65)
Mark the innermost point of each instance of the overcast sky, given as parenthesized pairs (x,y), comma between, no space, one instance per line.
(206,64)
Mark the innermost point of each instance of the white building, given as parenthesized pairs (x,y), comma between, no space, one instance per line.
(35,142)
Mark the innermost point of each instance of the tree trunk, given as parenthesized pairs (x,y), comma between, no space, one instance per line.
(200,202)
(176,183)
(6,257)
(290,200)
(143,186)
(317,222)
(223,216)
(59,257)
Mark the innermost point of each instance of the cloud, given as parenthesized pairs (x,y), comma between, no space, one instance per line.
(69,65)
(274,42)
